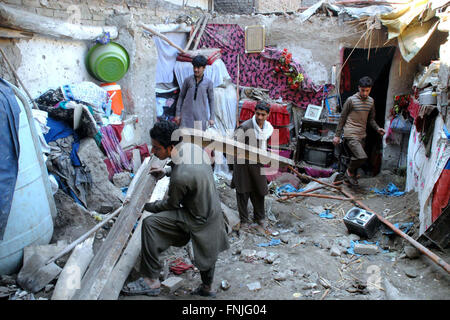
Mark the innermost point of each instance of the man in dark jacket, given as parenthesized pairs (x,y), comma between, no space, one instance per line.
(248,178)
(191,211)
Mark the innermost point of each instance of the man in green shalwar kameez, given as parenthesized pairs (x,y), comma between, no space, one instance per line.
(191,211)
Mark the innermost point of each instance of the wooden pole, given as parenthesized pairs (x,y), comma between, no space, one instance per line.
(315,195)
(18,78)
(156,33)
(237,90)
(304,176)
(308,191)
(197,26)
(416,244)
(201,32)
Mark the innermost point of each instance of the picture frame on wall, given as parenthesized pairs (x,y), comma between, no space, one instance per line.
(313,112)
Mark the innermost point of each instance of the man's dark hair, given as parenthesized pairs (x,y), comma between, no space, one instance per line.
(261,105)
(162,132)
(199,61)
(365,82)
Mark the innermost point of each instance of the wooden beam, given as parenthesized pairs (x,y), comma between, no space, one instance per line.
(200,33)
(191,38)
(15,34)
(232,147)
(130,255)
(104,261)
(23,20)
(156,33)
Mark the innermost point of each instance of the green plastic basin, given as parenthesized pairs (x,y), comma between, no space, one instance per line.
(108,62)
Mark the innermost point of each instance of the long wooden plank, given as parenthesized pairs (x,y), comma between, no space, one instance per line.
(197,26)
(130,255)
(103,262)
(23,20)
(233,148)
(200,33)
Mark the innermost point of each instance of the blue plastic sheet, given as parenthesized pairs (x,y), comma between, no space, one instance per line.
(405,226)
(273,242)
(326,214)
(287,188)
(391,190)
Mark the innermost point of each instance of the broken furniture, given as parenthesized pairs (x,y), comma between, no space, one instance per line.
(315,143)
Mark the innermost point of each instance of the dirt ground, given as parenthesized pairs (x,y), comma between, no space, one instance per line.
(312,262)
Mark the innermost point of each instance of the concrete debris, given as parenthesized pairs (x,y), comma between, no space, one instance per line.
(247,255)
(254,286)
(354,237)
(261,254)
(366,248)
(7,280)
(122,179)
(335,251)
(48,287)
(411,272)
(284,239)
(282,276)
(172,283)
(412,252)
(271,257)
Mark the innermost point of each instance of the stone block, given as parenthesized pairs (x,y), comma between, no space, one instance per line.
(15,2)
(31,3)
(365,248)
(172,283)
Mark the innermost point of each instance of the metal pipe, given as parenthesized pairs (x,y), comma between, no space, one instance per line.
(416,244)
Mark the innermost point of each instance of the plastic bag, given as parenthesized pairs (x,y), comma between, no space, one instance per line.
(401,124)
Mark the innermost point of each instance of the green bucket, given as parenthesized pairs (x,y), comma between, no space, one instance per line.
(107,62)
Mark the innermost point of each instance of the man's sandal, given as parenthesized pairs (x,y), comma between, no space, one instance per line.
(140,287)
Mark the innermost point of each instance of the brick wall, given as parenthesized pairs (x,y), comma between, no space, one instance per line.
(97,12)
(234,6)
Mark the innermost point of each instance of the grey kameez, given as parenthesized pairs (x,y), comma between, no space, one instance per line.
(196,102)
(191,211)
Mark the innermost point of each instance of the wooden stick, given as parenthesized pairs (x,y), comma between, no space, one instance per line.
(156,33)
(197,26)
(197,41)
(416,244)
(237,90)
(304,176)
(18,78)
(84,236)
(325,196)
(309,190)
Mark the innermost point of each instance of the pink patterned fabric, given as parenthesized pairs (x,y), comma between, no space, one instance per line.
(256,69)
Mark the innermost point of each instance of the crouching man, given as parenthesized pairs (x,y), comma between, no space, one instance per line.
(191,211)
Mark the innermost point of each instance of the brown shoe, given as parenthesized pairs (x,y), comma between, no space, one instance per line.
(351,178)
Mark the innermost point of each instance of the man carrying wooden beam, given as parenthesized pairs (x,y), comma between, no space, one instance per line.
(248,178)
(191,211)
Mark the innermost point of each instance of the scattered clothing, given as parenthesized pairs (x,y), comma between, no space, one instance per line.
(404,227)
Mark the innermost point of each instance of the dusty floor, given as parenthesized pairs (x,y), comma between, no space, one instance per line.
(304,267)
(311,262)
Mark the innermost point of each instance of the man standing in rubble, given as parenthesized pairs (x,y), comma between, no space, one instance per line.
(195,105)
(249,178)
(357,111)
(191,211)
